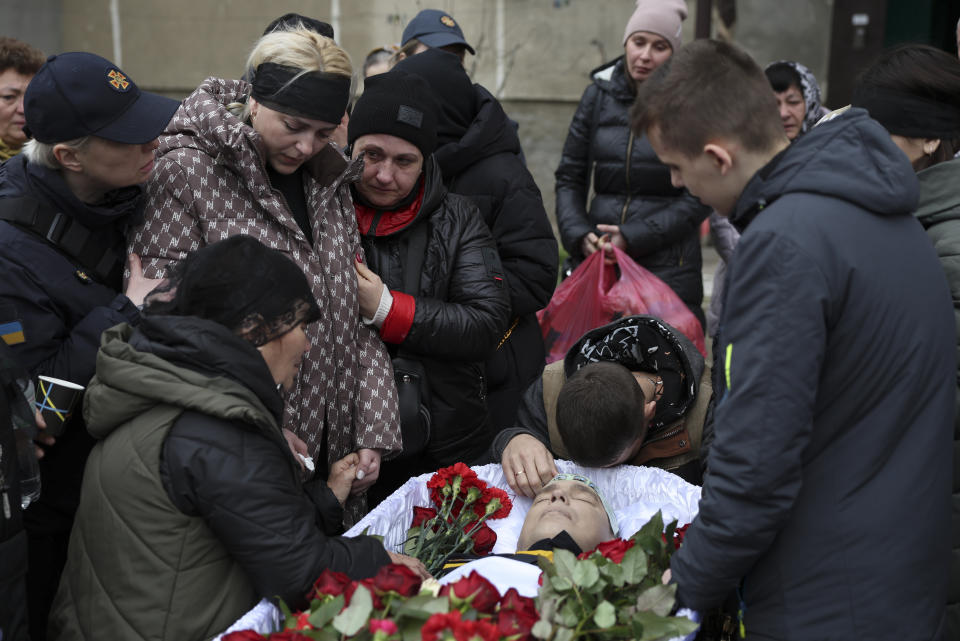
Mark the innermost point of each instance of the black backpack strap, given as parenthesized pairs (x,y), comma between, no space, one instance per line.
(78,243)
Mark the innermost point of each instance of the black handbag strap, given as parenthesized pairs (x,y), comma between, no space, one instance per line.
(81,245)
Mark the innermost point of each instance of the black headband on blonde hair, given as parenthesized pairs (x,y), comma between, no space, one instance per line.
(907,114)
(316,95)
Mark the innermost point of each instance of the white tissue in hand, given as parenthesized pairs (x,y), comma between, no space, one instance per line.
(307,461)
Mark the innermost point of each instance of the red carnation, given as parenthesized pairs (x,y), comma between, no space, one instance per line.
(330,582)
(615,549)
(489,494)
(473,630)
(244,635)
(436,484)
(475,590)
(483,540)
(421,515)
(434,626)
(398,579)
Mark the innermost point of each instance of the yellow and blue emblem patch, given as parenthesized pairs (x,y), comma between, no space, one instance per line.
(12,333)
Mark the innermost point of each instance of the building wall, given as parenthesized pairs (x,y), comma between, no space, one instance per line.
(535,54)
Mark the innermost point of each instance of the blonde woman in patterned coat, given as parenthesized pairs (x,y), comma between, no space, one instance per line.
(255,159)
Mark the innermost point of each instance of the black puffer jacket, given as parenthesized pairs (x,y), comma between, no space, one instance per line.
(480,157)
(192,508)
(462,310)
(485,165)
(631,187)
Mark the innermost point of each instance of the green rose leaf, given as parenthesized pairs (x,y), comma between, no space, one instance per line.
(322,615)
(549,569)
(542,629)
(659,599)
(564,634)
(569,615)
(351,620)
(634,565)
(422,606)
(652,529)
(561,583)
(613,573)
(564,561)
(585,574)
(658,627)
(606,615)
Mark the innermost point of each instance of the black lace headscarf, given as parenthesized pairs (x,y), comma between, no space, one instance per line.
(256,292)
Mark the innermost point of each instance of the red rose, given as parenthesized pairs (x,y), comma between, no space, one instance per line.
(385,625)
(421,515)
(615,549)
(434,626)
(678,535)
(330,582)
(475,590)
(367,583)
(398,579)
(517,615)
(483,540)
(289,635)
(303,621)
(244,635)
(474,630)
(489,494)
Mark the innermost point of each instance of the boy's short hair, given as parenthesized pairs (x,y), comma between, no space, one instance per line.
(708,89)
(600,413)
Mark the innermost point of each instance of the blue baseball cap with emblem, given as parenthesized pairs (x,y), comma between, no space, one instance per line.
(435,28)
(80,94)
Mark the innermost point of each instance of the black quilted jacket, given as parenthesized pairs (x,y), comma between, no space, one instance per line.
(631,188)
(462,311)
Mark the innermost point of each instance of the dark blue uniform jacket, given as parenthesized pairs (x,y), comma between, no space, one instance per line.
(828,489)
(61,308)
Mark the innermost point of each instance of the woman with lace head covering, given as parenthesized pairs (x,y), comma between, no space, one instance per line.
(193,508)
(798,96)
(255,158)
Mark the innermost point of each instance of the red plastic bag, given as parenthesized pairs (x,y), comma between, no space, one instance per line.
(593,296)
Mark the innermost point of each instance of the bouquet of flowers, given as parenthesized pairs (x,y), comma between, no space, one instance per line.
(613,592)
(455,525)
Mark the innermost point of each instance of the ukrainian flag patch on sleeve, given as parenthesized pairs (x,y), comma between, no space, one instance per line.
(12,332)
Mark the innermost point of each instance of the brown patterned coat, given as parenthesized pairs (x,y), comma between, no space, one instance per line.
(210,183)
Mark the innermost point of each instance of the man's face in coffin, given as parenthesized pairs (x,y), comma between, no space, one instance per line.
(570,506)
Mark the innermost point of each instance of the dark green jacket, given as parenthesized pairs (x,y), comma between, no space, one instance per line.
(191,509)
(939,213)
